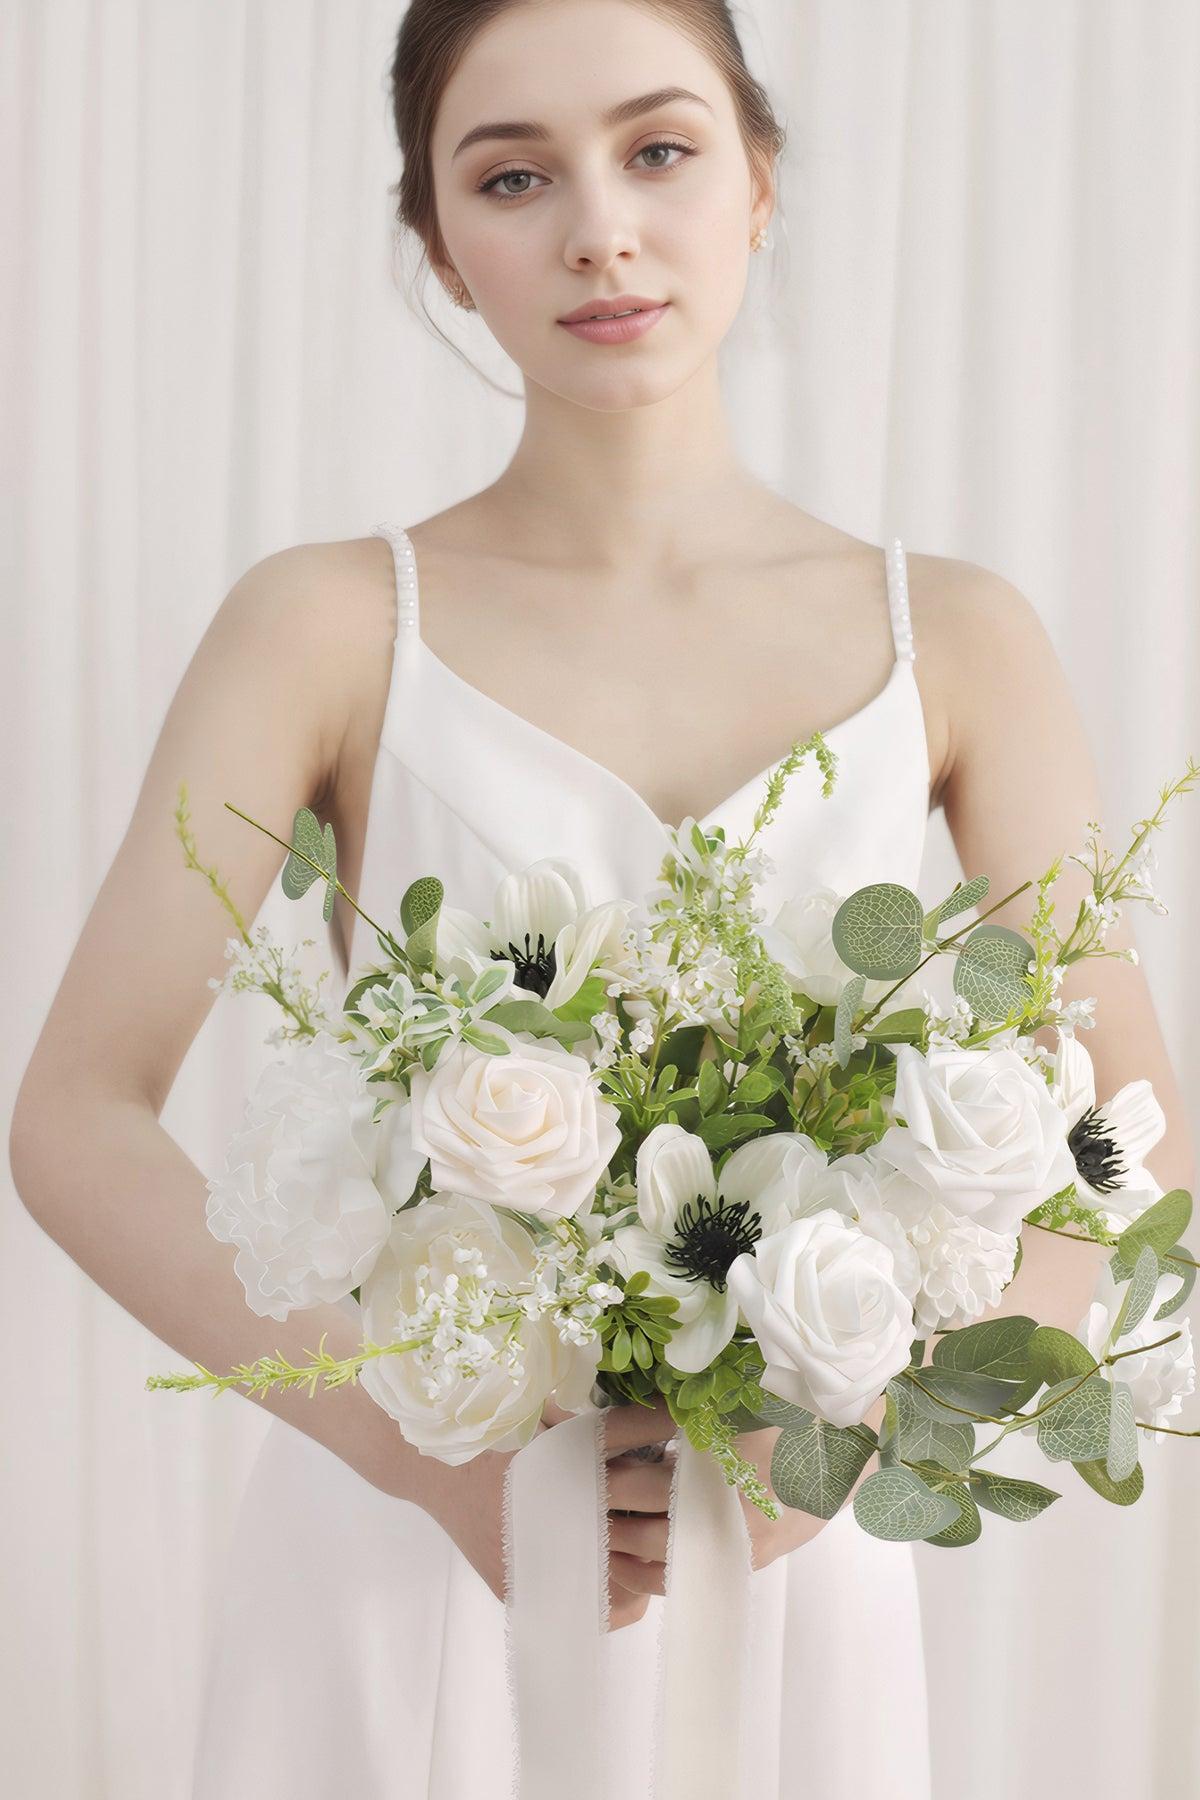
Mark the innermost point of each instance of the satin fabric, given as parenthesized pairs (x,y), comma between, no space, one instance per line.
(354,1651)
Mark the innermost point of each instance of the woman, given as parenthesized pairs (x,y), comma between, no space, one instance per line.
(626,628)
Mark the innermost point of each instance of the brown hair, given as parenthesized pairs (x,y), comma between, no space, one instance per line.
(435,35)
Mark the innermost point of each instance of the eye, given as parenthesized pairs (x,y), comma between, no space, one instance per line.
(516,172)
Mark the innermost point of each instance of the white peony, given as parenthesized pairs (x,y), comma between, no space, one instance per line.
(963,1268)
(852,1186)
(542,923)
(833,1324)
(1160,1378)
(689,1232)
(981,1132)
(310,1184)
(800,939)
(1109,1143)
(466,1392)
(527,1129)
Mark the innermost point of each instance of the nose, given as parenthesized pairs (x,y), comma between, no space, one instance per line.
(600,233)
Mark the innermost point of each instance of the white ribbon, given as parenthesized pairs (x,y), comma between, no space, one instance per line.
(556,1611)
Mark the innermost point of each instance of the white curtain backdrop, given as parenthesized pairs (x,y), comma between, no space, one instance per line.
(978,329)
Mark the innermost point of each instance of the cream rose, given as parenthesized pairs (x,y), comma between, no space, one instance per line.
(982,1132)
(453,1402)
(800,939)
(823,1302)
(527,1129)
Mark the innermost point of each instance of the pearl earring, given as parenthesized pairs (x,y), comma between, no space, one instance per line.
(760,240)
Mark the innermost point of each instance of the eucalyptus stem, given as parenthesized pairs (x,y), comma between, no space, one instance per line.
(324,873)
(936,951)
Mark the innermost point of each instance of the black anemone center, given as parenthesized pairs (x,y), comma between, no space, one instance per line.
(536,969)
(709,1236)
(1096,1152)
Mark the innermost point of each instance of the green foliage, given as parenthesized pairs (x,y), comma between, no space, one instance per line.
(632,1332)
(966,1527)
(895,1504)
(312,853)
(532,1016)
(1076,1429)
(814,1465)
(849,1001)
(587,1000)
(877,931)
(992,971)
(421,901)
(908,1026)
(964,896)
(1010,1497)
(1120,1493)
(1161,1225)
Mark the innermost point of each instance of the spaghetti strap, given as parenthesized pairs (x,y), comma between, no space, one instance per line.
(408,600)
(897,584)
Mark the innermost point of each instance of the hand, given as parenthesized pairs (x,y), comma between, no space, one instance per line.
(467,1499)
(638,1547)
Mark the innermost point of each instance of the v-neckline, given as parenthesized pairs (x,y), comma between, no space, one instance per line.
(602,770)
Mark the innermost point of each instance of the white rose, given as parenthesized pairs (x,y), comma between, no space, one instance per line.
(459,1398)
(800,940)
(822,1300)
(1160,1378)
(527,1129)
(982,1132)
(310,1184)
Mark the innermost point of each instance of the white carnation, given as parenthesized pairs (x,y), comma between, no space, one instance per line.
(310,1183)
(963,1267)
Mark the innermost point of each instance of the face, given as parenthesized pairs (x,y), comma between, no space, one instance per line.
(566,201)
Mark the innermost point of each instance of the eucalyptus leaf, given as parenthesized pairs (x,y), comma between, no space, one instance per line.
(1135,1303)
(998,1347)
(1076,1429)
(814,1468)
(298,875)
(1120,1493)
(1162,1225)
(966,1527)
(1056,1354)
(896,1505)
(1122,1435)
(1187,1270)
(943,1393)
(965,895)
(1009,1496)
(849,1001)
(877,931)
(776,1411)
(992,971)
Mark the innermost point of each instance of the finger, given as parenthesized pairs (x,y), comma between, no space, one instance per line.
(640,1487)
(640,1577)
(645,1537)
(627,1427)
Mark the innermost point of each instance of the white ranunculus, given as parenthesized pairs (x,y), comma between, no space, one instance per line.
(310,1184)
(830,1318)
(982,1132)
(527,1129)
(800,939)
(541,921)
(1161,1379)
(681,1213)
(1109,1143)
(963,1267)
(452,1404)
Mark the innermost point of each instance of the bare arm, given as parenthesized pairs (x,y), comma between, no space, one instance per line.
(256,721)
(1019,787)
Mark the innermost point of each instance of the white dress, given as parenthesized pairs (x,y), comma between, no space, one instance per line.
(356,1653)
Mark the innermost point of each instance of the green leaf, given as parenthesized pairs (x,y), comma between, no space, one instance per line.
(813,1467)
(422,901)
(998,1347)
(486,983)
(965,895)
(638,1282)
(620,1351)
(1120,1493)
(942,1390)
(1076,1429)
(966,1527)
(421,946)
(758,1085)
(877,931)
(1122,1435)
(683,1047)
(992,971)
(488,1041)
(727,1128)
(713,1088)
(531,1016)
(1135,1302)
(1186,1270)
(775,1411)
(1161,1225)
(587,1000)
(896,1505)
(922,1438)
(1055,1355)
(643,1350)
(849,1001)
(904,1027)
(298,875)
(1010,1497)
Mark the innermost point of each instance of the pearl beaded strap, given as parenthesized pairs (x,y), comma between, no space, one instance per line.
(897,582)
(407,593)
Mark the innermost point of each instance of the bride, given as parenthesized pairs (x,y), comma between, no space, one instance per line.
(622,630)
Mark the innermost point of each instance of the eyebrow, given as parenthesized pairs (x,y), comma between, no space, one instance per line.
(620,114)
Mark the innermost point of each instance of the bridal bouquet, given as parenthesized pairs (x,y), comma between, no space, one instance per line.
(597,1151)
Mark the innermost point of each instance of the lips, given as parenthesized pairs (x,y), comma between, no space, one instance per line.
(618,303)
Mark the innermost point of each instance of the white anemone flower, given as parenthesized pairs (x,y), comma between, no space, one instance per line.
(542,923)
(693,1226)
(1109,1143)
